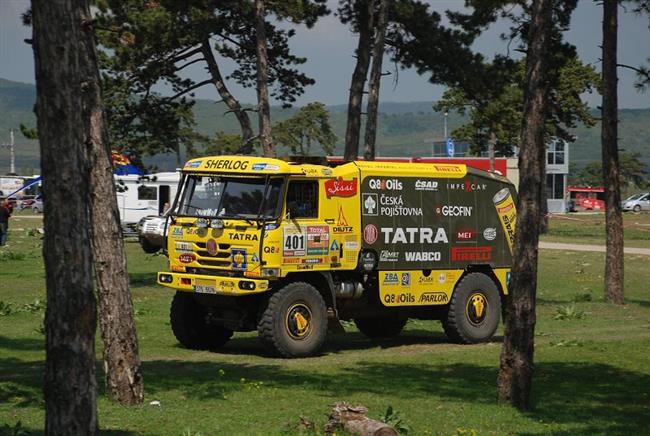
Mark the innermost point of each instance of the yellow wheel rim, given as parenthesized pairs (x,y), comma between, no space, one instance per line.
(476,308)
(298,321)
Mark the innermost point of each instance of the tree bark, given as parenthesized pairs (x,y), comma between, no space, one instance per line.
(614,270)
(230,101)
(263,82)
(516,369)
(355,101)
(353,420)
(121,357)
(375,81)
(63,43)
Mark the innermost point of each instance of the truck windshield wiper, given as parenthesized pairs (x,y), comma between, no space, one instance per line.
(237,217)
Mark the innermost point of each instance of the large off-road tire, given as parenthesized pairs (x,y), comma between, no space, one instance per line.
(294,322)
(148,247)
(380,328)
(474,310)
(190,326)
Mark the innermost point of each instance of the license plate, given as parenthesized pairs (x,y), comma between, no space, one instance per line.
(205,286)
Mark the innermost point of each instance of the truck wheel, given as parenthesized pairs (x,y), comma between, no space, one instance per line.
(148,247)
(474,310)
(190,326)
(380,328)
(294,322)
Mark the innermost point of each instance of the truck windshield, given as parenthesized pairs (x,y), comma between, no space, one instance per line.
(230,197)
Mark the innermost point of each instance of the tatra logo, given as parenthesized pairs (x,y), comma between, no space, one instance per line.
(413,235)
(388,184)
(243,236)
(370,234)
(226,164)
(340,188)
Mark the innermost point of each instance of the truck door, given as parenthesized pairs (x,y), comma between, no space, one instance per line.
(305,236)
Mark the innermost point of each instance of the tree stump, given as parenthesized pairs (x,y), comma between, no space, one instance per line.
(353,420)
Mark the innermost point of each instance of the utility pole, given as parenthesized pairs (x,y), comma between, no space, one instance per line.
(12,152)
(446,113)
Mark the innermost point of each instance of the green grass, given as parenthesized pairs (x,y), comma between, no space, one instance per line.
(590,229)
(592,372)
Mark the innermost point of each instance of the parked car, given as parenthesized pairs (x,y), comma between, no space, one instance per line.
(32,202)
(637,202)
(151,233)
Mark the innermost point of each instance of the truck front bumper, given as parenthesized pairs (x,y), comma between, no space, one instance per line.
(207,284)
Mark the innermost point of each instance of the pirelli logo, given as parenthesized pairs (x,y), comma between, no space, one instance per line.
(465,254)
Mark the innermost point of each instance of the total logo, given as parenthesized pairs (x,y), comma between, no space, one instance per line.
(385,184)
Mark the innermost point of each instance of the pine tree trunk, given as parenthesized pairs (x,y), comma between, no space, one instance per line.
(516,369)
(614,287)
(63,44)
(263,82)
(230,101)
(121,358)
(359,79)
(375,81)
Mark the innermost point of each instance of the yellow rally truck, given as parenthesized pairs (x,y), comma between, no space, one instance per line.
(283,247)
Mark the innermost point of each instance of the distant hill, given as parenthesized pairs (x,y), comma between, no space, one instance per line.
(404,129)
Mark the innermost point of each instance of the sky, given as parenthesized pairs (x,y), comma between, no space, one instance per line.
(329,47)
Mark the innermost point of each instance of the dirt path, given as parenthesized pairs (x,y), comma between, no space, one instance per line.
(584,247)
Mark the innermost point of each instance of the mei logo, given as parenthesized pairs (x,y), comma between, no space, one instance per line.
(466,235)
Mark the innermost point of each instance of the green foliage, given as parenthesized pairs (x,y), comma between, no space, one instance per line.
(221,143)
(632,172)
(394,418)
(11,255)
(568,311)
(309,126)
(28,132)
(146,44)
(495,111)
(6,308)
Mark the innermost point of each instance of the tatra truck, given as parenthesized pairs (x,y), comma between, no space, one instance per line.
(286,248)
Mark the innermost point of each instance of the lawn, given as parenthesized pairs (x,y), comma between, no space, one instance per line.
(589,228)
(592,363)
